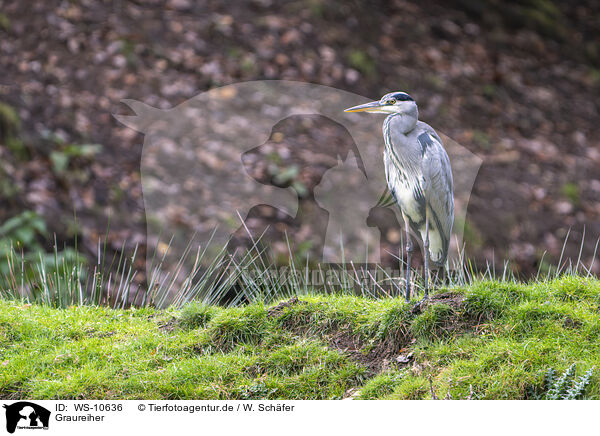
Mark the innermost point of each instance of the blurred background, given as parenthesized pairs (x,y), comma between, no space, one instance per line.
(517,84)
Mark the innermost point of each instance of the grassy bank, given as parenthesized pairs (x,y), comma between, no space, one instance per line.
(490,340)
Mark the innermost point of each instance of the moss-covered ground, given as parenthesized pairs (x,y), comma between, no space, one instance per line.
(491,340)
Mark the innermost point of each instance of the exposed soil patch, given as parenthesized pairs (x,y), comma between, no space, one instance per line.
(456,320)
(451,299)
(275,311)
(102,335)
(169,325)
(572,323)
(394,350)
(376,358)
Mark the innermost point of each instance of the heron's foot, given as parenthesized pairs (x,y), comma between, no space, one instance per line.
(418,308)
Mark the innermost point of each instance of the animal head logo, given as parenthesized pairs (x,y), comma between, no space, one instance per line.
(210,162)
(25,414)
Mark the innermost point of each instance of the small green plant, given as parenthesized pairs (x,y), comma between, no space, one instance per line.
(489,91)
(256,390)
(28,270)
(564,386)
(65,154)
(288,176)
(9,121)
(127,49)
(490,299)
(482,139)
(10,125)
(571,191)
(4,22)
(361,61)
(196,315)
(22,231)
(242,325)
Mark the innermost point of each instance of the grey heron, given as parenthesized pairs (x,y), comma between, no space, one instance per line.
(419,178)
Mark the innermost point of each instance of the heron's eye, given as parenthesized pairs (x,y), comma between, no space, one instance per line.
(391,102)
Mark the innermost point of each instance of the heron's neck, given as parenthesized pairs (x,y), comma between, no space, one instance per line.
(404,121)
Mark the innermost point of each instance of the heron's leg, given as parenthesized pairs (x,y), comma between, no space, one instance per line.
(409,251)
(426,258)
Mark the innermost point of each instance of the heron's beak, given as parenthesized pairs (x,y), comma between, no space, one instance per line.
(373,106)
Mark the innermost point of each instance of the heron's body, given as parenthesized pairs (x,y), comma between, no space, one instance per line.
(416,165)
(418,176)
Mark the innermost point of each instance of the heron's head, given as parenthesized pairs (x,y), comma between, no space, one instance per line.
(390,103)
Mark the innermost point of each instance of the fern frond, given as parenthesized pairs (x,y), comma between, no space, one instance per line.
(549,378)
(578,388)
(560,386)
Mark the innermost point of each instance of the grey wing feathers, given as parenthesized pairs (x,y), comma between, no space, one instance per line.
(438,187)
